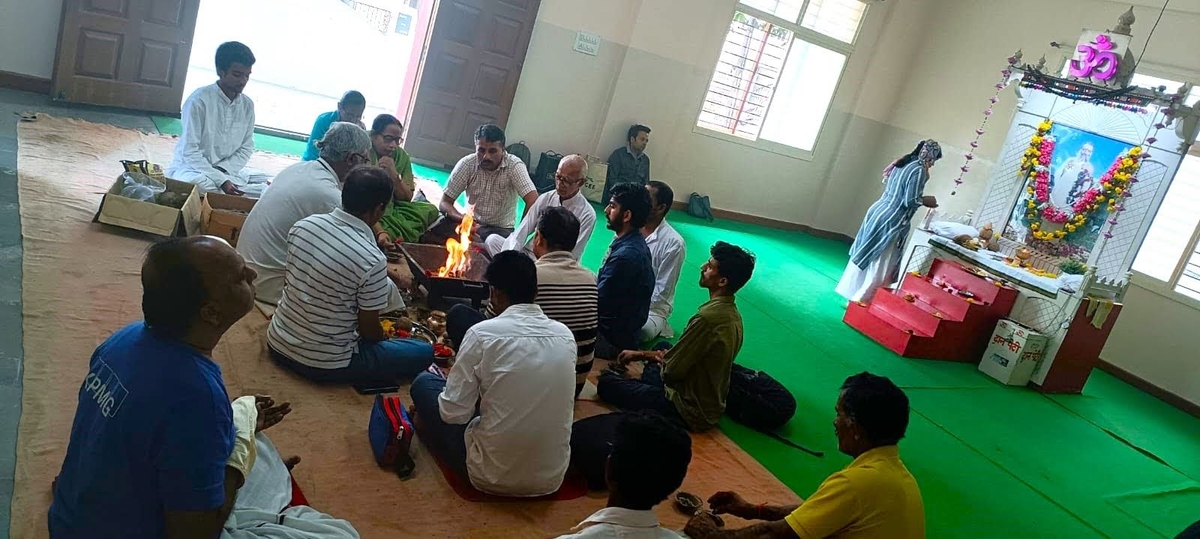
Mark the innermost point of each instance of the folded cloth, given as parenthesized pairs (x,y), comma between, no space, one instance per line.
(1099,310)
(408,220)
(245,423)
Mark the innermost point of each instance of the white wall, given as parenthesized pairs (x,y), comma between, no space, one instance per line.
(29,36)
(654,67)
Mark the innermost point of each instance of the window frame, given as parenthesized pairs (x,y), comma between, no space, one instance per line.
(798,32)
(1168,289)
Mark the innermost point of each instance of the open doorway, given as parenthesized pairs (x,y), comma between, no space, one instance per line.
(309,52)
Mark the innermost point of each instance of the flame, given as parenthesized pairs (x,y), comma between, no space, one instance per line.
(457,261)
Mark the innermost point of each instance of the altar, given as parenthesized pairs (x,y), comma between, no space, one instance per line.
(1085,165)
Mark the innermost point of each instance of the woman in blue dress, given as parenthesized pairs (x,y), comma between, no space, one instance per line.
(880,241)
(350,109)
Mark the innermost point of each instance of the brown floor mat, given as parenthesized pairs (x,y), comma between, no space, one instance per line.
(81,283)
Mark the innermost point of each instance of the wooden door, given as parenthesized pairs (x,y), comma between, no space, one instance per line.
(469,76)
(124,53)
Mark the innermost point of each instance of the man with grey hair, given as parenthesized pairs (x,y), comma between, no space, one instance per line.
(568,180)
(303,189)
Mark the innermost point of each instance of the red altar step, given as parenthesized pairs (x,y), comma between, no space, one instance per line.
(937,324)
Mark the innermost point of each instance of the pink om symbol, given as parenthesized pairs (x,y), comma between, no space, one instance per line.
(1098,61)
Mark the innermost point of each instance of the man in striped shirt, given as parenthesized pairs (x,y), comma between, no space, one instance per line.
(566,290)
(327,325)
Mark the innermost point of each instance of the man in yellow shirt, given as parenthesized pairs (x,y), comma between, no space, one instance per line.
(873,498)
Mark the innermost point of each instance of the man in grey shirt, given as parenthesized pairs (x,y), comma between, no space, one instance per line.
(629,163)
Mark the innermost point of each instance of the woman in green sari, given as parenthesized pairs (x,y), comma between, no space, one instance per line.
(405,219)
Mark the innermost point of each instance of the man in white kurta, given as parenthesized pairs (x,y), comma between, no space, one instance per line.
(568,180)
(667,251)
(218,130)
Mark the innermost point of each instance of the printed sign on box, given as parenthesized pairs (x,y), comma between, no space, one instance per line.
(1013,353)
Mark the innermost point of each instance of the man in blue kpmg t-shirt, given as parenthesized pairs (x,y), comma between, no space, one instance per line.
(154,429)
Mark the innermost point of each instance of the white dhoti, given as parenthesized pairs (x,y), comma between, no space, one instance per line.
(859,284)
(250,181)
(494,244)
(268,286)
(656,326)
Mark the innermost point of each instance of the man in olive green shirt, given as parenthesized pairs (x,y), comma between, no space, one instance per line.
(689,382)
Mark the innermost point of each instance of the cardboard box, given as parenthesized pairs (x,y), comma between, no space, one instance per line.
(1013,353)
(224,215)
(157,219)
(593,189)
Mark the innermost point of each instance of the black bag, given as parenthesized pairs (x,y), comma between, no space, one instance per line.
(543,178)
(762,403)
(699,206)
(520,150)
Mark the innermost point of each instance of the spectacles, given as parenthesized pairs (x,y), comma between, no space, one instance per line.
(565,180)
(358,158)
(394,140)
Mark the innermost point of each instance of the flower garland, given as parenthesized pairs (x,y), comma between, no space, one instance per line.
(1109,196)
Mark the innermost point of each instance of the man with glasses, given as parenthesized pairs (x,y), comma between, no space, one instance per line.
(303,189)
(568,180)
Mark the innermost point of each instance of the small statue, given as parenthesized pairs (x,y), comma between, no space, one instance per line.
(993,244)
(1125,23)
(437,323)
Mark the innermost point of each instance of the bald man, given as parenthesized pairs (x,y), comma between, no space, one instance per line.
(568,180)
(153,427)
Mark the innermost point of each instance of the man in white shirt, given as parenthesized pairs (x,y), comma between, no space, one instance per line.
(303,189)
(218,130)
(568,180)
(493,180)
(667,251)
(327,325)
(503,415)
(648,461)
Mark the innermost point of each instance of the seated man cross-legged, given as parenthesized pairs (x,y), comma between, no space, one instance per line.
(667,252)
(492,179)
(566,291)
(648,461)
(626,279)
(568,180)
(151,452)
(218,130)
(692,381)
(502,418)
(303,189)
(327,325)
(875,497)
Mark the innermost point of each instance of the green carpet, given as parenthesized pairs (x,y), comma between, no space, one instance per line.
(992,461)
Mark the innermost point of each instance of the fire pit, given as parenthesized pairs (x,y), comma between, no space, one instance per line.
(424,261)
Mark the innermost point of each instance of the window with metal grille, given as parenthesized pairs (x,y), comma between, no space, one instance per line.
(778,70)
(1170,253)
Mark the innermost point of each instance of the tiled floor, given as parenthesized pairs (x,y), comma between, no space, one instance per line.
(12,104)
